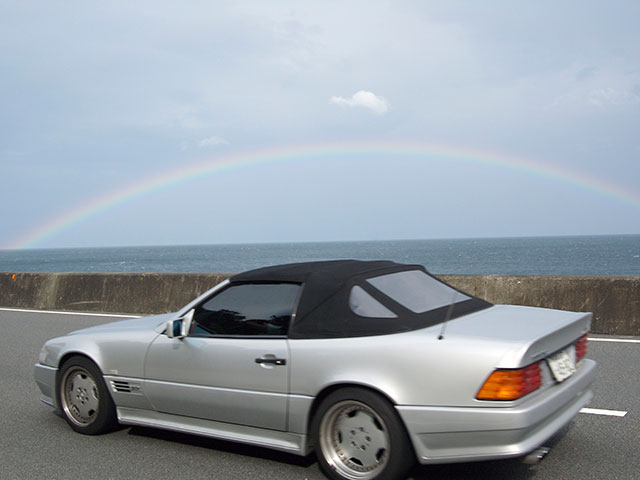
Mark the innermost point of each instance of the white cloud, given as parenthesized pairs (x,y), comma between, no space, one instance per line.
(364,99)
(606,87)
(608,96)
(212,142)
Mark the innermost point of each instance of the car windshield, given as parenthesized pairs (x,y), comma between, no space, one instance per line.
(417,291)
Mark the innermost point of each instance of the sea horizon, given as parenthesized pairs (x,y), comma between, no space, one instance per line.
(296,242)
(544,255)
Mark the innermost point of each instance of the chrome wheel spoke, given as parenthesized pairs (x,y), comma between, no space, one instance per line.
(363,442)
(367,459)
(82,381)
(81,399)
(354,440)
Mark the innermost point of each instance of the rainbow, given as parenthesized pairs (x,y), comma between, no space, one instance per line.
(309,152)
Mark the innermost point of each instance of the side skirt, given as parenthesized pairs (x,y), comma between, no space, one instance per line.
(284,441)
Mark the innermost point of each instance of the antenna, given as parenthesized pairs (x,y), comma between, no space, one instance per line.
(448,316)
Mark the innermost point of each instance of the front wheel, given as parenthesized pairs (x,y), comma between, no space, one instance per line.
(359,436)
(86,404)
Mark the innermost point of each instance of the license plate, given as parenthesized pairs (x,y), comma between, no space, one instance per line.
(562,365)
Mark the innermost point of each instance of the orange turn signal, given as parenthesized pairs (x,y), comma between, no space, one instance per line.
(511,384)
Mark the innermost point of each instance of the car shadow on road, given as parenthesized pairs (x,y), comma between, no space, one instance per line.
(512,469)
(499,469)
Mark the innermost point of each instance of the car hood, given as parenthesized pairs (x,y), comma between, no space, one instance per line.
(131,325)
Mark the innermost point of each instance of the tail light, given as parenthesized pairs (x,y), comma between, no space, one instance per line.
(511,384)
(581,348)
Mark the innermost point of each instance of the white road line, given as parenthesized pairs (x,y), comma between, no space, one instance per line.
(86,314)
(614,340)
(600,411)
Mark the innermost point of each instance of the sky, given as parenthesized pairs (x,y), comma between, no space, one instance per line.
(210,122)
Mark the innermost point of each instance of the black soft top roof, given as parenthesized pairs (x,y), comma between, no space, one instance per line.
(331,271)
(323,309)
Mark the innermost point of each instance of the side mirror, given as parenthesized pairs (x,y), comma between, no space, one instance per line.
(180,327)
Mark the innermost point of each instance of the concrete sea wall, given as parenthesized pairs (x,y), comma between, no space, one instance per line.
(614,301)
(135,293)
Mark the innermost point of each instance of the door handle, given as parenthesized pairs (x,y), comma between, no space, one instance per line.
(273,361)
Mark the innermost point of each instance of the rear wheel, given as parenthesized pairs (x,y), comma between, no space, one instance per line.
(85,401)
(359,436)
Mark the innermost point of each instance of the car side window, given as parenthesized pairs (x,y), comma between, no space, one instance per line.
(247,309)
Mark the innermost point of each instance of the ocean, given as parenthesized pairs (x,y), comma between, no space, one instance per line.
(567,255)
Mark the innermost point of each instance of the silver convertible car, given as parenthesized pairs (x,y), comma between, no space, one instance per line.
(373,365)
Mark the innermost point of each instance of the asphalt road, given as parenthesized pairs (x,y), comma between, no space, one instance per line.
(35,443)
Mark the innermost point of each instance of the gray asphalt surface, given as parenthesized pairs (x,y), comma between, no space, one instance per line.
(35,443)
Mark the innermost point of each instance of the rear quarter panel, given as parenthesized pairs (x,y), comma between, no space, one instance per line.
(413,368)
(418,368)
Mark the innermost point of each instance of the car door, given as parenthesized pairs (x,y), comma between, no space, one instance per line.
(233,365)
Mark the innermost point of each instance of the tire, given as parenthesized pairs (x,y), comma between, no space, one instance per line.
(358,435)
(85,402)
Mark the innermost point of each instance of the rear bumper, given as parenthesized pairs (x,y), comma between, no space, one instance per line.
(45,377)
(447,434)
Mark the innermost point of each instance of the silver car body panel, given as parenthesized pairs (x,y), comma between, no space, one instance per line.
(416,368)
(449,434)
(284,441)
(118,348)
(45,377)
(214,387)
(219,379)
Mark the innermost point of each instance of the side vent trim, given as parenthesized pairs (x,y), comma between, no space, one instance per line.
(120,386)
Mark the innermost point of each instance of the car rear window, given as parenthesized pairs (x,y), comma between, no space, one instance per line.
(417,291)
(364,305)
